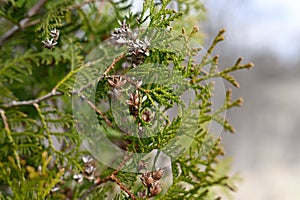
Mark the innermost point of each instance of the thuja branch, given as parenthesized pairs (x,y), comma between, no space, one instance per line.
(217,39)
(225,73)
(125,160)
(90,103)
(10,138)
(93,187)
(44,124)
(53,93)
(24,22)
(113,64)
(111,177)
(93,106)
(117,181)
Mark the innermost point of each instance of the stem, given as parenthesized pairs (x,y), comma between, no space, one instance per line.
(92,105)
(10,138)
(125,160)
(23,23)
(113,178)
(123,187)
(90,190)
(117,181)
(34,101)
(113,64)
(44,124)
(155,160)
(217,39)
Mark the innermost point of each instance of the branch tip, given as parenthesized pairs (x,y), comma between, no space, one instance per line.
(222,31)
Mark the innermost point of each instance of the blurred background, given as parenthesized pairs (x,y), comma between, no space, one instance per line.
(266,146)
(265,149)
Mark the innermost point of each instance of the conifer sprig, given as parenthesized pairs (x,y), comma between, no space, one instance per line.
(131,82)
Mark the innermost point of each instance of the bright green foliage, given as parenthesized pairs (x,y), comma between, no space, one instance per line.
(40,149)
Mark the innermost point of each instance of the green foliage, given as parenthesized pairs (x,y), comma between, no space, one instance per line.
(42,156)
